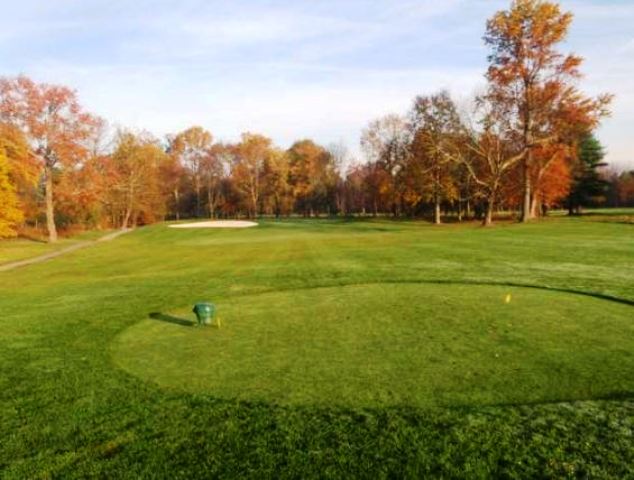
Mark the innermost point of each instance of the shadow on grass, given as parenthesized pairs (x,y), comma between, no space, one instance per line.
(170,319)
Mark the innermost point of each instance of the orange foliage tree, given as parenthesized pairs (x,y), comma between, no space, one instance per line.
(533,80)
(191,148)
(55,125)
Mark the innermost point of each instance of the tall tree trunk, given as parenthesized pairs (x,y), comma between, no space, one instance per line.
(50,207)
(488,217)
(128,210)
(211,204)
(126,219)
(528,157)
(526,203)
(459,208)
(535,204)
(436,210)
(437,199)
(177,203)
(197,187)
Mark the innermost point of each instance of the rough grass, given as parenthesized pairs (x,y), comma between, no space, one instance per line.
(68,410)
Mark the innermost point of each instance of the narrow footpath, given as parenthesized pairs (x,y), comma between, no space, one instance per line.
(58,253)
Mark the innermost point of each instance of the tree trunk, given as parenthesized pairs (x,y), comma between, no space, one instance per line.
(210,204)
(528,157)
(176,203)
(535,203)
(488,217)
(459,208)
(437,198)
(526,204)
(197,188)
(50,207)
(128,210)
(437,209)
(126,219)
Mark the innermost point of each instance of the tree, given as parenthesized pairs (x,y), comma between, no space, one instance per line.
(55,125)
(134,172)
(13,167)
(490,155)
(277,190)
(10,213)
(587,182)
(531,78)
(172,178)
(248,168)
(18,173)
(213,170)
(191,147)
(340,156)
(311,176)
(625,189)
(436,129)
(386,142)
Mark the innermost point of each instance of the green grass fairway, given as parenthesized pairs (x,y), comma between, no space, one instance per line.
(397,344)
(372,349)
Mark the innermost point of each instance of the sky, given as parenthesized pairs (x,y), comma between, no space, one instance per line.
(291,69)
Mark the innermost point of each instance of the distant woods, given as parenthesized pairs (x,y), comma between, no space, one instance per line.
(524,144)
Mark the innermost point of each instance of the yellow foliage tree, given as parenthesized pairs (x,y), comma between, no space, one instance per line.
(14,169)
(10,213)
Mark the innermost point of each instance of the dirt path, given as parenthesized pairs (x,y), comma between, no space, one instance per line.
(58,253)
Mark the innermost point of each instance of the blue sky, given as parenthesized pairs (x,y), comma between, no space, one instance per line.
(290,69)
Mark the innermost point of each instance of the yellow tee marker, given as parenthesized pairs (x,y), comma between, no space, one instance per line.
(507,299)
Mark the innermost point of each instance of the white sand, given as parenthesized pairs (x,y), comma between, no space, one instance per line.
(217,224)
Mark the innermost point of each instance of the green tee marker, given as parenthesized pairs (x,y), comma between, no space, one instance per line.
(204,312)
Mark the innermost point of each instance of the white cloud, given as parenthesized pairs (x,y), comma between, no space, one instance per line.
(289,69)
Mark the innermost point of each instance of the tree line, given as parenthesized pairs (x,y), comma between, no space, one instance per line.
(525,143)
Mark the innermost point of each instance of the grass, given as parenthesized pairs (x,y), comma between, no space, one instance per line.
(22,248)
(381,345)
(90,385)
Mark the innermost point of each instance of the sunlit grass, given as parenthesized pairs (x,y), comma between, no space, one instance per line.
(68,409)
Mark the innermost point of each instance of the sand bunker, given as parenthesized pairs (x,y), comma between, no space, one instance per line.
(217,224)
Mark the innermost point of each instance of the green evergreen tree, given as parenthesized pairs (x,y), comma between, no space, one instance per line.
(587,183)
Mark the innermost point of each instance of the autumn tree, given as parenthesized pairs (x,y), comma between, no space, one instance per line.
(490,156)
(55,125)
(355,188)
(173,178)
(191,147)
(386,143)
(436,127)
(134,172)
(340,156)
(532,79)
(277,190)
(15,169)
(213,168)
(311,176)
(248,168)
(624,186)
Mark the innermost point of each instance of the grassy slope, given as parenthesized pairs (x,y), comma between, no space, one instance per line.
(21,248)
(65,410)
